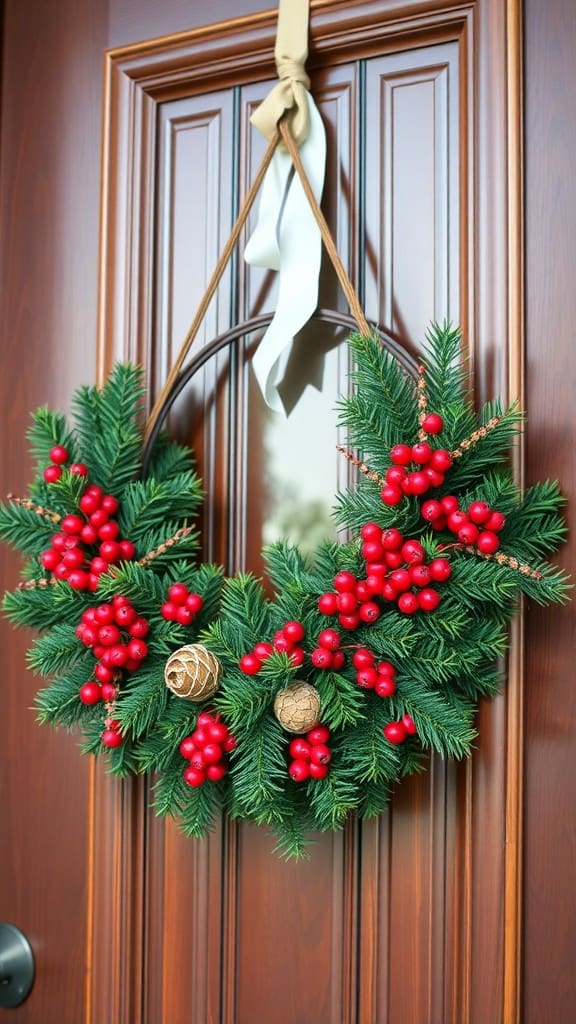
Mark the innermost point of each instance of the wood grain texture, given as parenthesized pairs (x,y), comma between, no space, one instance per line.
(549,926)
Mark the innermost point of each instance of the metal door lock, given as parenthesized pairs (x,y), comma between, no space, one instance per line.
(16,966)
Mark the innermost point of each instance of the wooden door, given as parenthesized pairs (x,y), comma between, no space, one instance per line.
(418,917)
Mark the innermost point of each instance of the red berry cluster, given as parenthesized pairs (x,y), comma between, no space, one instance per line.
(478,526)
(286,640)
(68,558)
(373,675)
(397,732)
(310,755)
(327,655)
(181,606)
(431,465)
(205,749)
(115,633)
(351,600)
(58,458)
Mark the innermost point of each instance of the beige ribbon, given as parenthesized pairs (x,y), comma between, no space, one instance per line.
(290,93)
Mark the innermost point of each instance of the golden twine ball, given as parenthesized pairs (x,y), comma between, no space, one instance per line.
(297,708)
(192,672)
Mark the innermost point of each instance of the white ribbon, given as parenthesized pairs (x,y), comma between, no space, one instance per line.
(287,239)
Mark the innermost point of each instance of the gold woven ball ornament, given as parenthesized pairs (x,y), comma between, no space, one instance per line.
(192,672)
(297,708)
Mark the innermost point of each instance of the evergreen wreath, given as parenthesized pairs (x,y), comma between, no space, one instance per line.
(297,709)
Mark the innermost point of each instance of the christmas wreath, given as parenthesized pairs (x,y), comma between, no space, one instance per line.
(296,709)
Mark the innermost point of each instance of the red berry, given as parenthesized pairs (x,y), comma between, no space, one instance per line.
(401,455)
(95,490)
(299,749)
(385,668)
(345,582)
(89,534)
(109,550)
(297,656)
(263,650)
(468,533)
(98,566)
(421,453)
(487,543)
(363,658)
(78,579)
(104,614)
(50,559)
(408,603)
(125,615)
(391,495)
(385,686)
(347,602)
(98,650)
(328,604)
(117,655)
(441,460)
(168,611)
(194,776)
(294,631)
(440,570)
(420,575)
(413,552)
(365,592)
(401,579)
(449,504)
(391,539)
(495,522)
(373,584)
(137,650)
(112,738)
(428,599)
(206,718)
(319,734)
(139,628)
(320,754)
(109,635)
(98,518)
(110,504)
(90,693)
(62,571)
(216,772)
(217,732)
(183,615)
(299,770)
(432,423)
(89,503)
(395,475)
(127,550)
(318,771)
(282,643)
(389,592)
(72,524)
(409,725)
(60,542)
(351,621)
(109,531)
(395,732)
(456,520)
(378,568)
(109,691)
(250,665)
(394,559)
(436,479)
(371,531)
(200,738)
(90,635)
(197,760)
(79,469)
(479,512)
(59,454)
(338,660)
(367,678)
(178,593)
(431,510)
(212,753)
(330,639)
(103,674)
(195,603)
(321,658)
(419,483)
(52,474)
(230,744)
(187,747)
(369,611)
(372,550)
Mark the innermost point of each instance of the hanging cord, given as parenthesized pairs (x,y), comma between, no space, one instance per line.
(347,286)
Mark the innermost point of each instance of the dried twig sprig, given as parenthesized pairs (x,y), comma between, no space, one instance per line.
(38,584)
(422,397)
(370,473)
(502,559)
(178,536)
(475,436)
(44,513)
